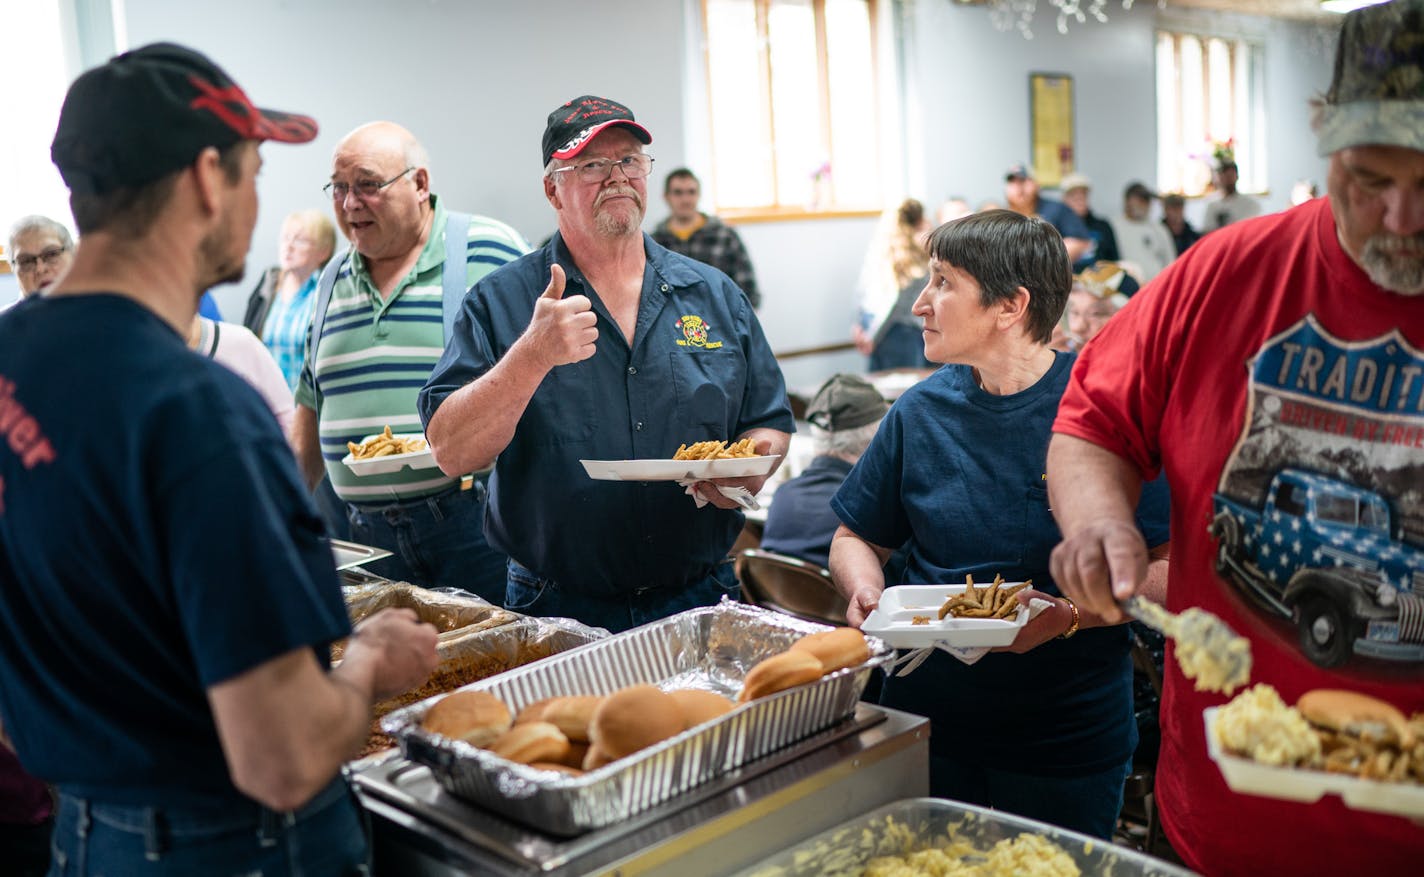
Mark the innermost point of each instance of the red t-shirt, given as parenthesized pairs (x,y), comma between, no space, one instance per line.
(1265,370)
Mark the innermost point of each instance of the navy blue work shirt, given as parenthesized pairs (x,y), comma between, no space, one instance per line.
(1062,217)
(155,540)
(699,369)
(961,474)
(800,521)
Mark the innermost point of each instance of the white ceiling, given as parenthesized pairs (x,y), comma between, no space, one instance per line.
(1299,10)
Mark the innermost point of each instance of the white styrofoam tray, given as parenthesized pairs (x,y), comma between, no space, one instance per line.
(678,470)
(391,462)
(1305,785)
(893,620)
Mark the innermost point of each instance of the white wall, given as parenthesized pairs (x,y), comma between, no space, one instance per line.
(475,80)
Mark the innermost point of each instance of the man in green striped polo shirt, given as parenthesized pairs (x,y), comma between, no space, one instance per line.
(380,335)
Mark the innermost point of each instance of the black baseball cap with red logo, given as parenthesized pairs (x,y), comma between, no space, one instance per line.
(573,126)
(149,112)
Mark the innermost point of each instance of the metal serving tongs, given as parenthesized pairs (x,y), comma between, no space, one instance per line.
(1208,650)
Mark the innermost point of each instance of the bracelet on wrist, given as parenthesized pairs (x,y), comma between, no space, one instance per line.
(1073,627)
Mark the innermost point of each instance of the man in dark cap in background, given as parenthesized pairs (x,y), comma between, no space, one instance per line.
(166,596)
(1021,191)
(1174,219)
(1292,370)
(844,415)
(604,345)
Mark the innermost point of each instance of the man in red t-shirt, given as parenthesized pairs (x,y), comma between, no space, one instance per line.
(1276,373)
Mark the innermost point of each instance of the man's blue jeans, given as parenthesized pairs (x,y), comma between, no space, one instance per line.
(323,839)
(531,595)
(438,540)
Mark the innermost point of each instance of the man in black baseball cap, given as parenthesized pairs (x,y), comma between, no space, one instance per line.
(572,126)
(166,595)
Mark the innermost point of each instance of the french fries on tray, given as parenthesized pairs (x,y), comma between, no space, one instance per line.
(384,445)
(993,601)
(716,450)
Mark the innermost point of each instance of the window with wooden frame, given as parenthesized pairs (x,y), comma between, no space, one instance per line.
(1210,103)
(792,107)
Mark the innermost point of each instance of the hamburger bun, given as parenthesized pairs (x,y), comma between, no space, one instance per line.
(531,742)
(634,718)
(837,649)
(700,706)
(596,758)
(573,715)
(533,712)
(477,717)
(1355,714)
(780,672)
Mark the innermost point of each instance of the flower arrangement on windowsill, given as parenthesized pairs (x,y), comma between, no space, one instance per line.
(1223,152)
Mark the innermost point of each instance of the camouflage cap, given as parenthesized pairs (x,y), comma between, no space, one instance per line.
(1377,93)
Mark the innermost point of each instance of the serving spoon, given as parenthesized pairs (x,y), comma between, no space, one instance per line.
(1210,653)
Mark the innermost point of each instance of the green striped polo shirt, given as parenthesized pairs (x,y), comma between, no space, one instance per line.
(374,356)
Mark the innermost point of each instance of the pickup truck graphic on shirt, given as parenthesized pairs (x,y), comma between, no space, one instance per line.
(1323,553)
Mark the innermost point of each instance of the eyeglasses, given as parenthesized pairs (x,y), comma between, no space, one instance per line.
(49,256)
(634,167)
(365,189)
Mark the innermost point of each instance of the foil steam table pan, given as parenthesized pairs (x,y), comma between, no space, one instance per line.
(476,652)
(915,824)
(710,648)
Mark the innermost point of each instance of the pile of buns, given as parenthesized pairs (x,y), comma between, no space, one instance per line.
(578,733)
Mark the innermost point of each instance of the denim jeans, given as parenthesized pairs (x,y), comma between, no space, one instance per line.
(1089,804)
(531,595)
(323,838)
(438,540)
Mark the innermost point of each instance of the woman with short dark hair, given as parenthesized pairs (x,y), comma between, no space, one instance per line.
(1044,727)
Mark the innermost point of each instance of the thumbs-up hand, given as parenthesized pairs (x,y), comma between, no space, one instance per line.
(562,330)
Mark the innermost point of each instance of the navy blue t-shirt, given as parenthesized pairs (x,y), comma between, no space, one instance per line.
(699,368)
(1062,217)
(800,521)
(155,540)
(960,474)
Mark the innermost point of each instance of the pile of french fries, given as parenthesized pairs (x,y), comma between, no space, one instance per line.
(1375,758)
(384,445)
(994,601)
(716,450)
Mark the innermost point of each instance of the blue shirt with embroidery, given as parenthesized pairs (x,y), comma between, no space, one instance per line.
(699,368)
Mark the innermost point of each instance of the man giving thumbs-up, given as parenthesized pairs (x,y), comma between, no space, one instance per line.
(603,345)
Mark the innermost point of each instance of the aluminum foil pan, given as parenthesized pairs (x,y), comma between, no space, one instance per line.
(916,824)
(449,610)
(477,640)
(710,648)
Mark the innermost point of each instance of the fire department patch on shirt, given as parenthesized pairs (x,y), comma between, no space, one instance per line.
(694,333)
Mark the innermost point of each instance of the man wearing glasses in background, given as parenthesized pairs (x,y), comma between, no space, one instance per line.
(381,321)
(40,251)
(604,345)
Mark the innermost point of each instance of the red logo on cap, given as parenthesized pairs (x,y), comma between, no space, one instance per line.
(232,106)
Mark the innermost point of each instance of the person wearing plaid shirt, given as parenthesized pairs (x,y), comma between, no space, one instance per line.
(703,237)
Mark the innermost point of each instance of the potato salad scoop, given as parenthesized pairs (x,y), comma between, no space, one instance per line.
(1209,651)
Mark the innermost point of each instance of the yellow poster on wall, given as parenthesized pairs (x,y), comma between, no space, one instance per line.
(1051,126)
